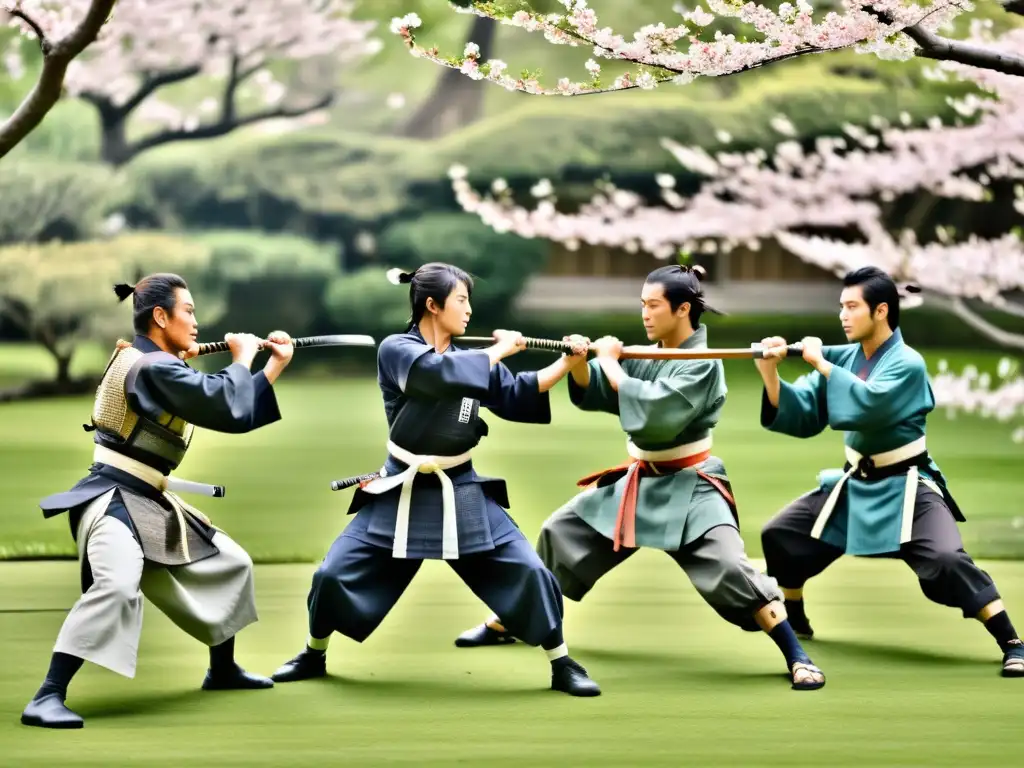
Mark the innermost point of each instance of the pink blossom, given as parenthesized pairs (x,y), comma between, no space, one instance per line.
(154,38)
(789,32)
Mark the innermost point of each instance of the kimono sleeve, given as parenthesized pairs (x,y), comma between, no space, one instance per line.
(517,397)
(802,411)
(663,408)
(233,400)
(598,395)
(895,393)
(419,371)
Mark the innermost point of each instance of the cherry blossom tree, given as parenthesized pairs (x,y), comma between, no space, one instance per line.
(890,29)
(847,184)
(61,33)
(150,45)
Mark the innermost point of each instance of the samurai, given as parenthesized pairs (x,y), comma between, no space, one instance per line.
(135,536)
(890,499)
(427,501)
(672,494)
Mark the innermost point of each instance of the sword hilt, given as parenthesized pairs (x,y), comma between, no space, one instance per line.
(348,482)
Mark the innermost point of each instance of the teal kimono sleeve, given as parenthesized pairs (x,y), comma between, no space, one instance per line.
(664,408)
(598,395)
(897,392)
(803,408)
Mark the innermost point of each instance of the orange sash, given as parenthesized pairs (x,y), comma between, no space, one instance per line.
(625,523)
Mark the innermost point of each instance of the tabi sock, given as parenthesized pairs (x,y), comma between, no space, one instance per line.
(317,644)
(1002,630)
(554,645)
(789,644)
(63,667)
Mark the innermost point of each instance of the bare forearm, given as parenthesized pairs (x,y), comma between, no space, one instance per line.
(273,369)
(581,374)
(612,371)
(552,374)
(772,385)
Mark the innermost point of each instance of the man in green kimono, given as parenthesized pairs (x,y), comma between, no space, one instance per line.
(672,494)
(890,499)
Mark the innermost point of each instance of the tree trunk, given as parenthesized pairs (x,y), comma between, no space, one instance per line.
(456,101)
(114,149)
(64,367)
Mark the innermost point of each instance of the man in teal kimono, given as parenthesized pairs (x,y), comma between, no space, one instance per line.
(890,499)
(672,494)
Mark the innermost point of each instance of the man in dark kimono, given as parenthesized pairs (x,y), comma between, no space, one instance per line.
(890,499)
(428,501)
(135,536)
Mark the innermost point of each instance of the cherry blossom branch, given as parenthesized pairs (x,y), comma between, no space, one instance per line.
(980,324)
(932,46)
(971,392)
(58,53)
(788,33)
(44,44)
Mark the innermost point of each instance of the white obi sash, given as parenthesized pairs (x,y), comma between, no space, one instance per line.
(880,460)
(426,465)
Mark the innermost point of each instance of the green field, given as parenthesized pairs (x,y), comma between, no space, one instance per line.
(910,683)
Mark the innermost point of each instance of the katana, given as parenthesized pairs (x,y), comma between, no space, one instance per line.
(336,340)
(753,352)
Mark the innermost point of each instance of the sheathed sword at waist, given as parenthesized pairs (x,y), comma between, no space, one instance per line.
(348,482)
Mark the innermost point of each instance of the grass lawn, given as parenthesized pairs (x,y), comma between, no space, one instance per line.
(910,683)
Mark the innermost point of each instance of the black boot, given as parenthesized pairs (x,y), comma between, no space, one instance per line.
(483,635)
(798,619)
(224,673)
(47,709)
(50,712)
(569,677)
(306,666)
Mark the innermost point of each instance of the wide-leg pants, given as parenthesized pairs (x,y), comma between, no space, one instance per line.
(358,584)
(211,599)
(935,552)
(716,564)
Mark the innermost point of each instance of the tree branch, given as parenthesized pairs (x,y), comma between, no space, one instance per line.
(222,127)
(47,90)
(44,44)
(978,323)
(941,49)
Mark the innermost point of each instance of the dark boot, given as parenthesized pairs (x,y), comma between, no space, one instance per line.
(50,712)
(569,677)
(483,635)
(234,679)
(798,619)
(305,666)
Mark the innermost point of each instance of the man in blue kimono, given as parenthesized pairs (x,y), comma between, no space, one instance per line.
(890,499)
(427,501)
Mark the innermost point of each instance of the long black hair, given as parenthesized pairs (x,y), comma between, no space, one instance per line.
(878,288)
(682,284)
(435,280)
(149,293)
